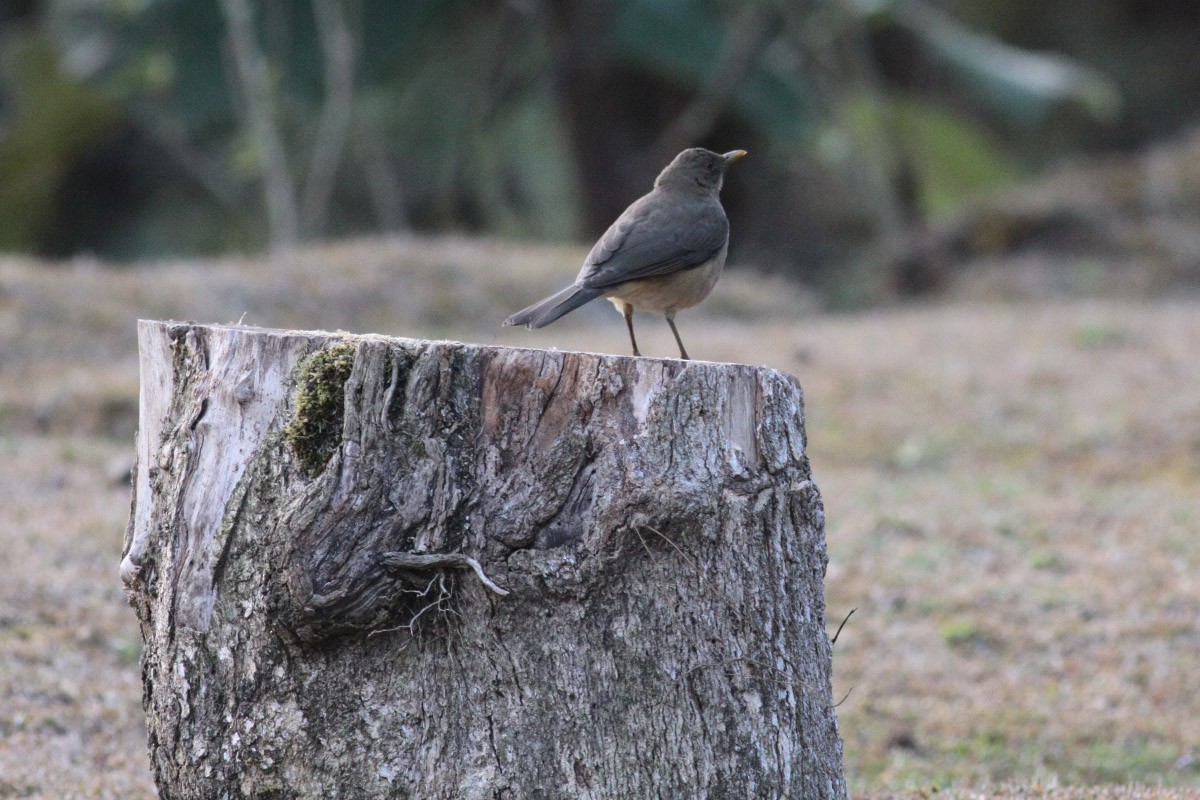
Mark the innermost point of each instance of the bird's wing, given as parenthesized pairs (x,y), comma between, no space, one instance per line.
(656,238)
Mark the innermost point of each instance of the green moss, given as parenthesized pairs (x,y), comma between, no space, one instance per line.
(1048,560)
(1098,335)
(959,632)
(316,427)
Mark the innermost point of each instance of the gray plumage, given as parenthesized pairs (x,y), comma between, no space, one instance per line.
(663,254)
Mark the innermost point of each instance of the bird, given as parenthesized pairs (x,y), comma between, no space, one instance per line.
(663,254)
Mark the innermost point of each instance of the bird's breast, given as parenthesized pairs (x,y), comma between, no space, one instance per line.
(671,292)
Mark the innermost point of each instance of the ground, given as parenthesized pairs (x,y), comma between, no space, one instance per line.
(1010,476)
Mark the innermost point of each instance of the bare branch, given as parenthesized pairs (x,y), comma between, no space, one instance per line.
(751,32)
(339,50)
(387,195)
(253,75)
(169,134)
(833,641)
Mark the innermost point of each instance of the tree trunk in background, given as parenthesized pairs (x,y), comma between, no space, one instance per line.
(371,567)
(613,114)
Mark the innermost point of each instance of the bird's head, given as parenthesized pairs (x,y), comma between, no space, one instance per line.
(697,169)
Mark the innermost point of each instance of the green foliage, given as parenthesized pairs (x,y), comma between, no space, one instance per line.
(683,40)
(451,112)
(953,159)
(476,138)
(1020,85)
(455,120)
(56,118)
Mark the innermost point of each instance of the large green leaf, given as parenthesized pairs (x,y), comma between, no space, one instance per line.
(1023,86)
(683,40)
(55,119)
(953,159)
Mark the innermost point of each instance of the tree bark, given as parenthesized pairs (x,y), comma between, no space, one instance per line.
(370,567)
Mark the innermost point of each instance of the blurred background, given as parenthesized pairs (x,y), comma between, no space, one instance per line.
(143,129)
(971,229)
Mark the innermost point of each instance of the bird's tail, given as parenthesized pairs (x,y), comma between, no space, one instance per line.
(543,312)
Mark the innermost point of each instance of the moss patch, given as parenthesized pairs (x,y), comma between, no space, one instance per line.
(316,426)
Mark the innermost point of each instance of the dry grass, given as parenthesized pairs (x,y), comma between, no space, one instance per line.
(1037,791)
(1013,504)
(1013,496)
(70,688)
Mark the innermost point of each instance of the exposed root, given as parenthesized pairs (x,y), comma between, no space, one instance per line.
(427,561)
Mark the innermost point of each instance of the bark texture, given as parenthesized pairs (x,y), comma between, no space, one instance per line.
(370,567)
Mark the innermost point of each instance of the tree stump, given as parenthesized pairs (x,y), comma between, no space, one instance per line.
(372,567)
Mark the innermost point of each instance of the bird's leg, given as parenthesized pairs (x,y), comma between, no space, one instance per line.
(628,311)
(682,350)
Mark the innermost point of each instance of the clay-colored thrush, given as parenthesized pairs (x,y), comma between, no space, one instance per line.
(663,254)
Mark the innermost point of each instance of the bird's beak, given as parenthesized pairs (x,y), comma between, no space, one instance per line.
(732,156)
